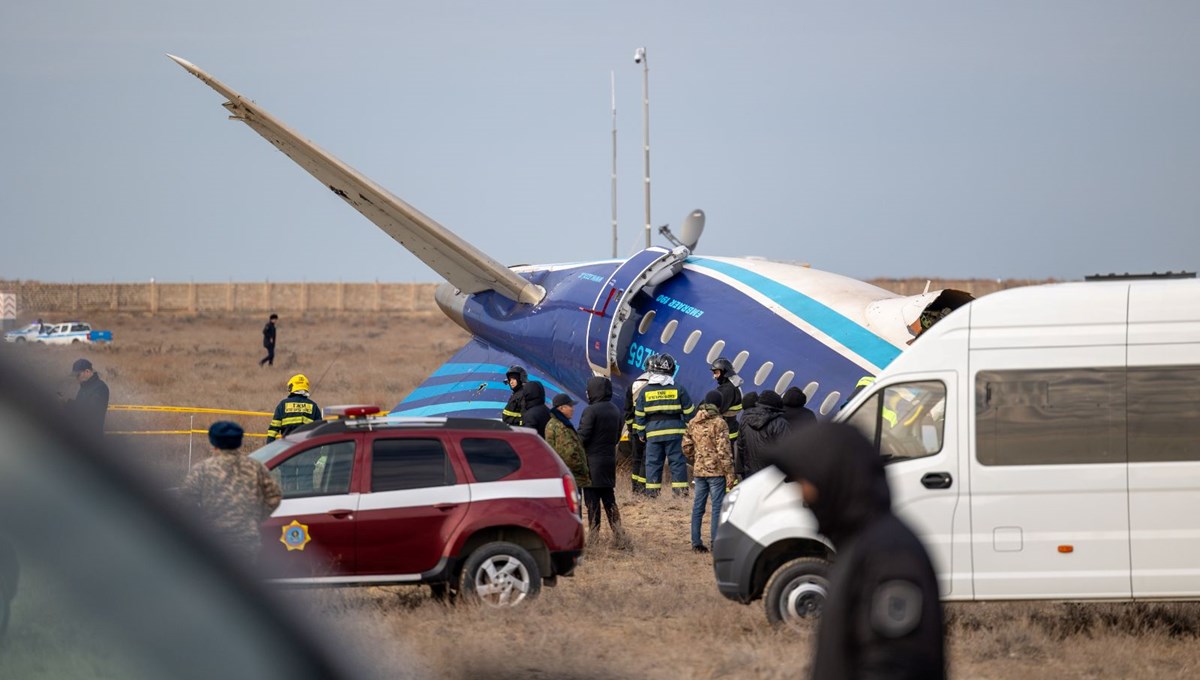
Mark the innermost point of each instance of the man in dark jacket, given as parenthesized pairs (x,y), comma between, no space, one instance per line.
(269,341)
(534,413)
(731,394)
(762,427)
(90,404)
(797,415)
(882,618)
(515,379)
(600,429)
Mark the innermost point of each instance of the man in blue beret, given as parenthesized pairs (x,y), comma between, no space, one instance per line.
(233,492)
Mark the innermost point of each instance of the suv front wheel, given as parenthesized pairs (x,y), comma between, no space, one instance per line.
(796,592)
(501,574)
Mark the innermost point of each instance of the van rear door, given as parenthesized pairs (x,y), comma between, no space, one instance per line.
(1164,438)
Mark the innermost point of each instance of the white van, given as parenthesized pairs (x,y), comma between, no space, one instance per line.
(1044,443)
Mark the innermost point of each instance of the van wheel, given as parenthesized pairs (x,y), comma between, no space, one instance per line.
(501,574)
(20,339)
(796,592)
(75,341)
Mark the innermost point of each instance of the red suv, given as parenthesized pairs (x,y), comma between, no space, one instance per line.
(465,505)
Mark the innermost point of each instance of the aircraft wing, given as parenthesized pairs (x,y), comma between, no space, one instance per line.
(463,265)
(470,384)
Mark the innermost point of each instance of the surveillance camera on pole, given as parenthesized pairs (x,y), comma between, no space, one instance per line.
(639,54)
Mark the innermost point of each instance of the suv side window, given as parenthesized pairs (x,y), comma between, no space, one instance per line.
(904,421)
(490,459)
(320,471)
(398,464)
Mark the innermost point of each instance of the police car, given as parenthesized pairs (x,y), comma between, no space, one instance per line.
(23,334)
(68,333)
(465,505)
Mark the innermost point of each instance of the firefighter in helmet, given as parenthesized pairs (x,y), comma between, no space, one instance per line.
(296,410)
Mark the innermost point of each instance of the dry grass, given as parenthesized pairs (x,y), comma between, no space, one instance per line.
(651,612)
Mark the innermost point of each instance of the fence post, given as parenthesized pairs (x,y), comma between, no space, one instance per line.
(378,296)
(114,303)
(191,426)
(267,294)
(341,297)
(153,297)
(303,296)
(192,297)
(229,296)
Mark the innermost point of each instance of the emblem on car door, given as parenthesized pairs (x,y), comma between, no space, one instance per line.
(295,536)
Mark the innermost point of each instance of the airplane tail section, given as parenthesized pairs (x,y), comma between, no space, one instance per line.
(462,264)
(470,384)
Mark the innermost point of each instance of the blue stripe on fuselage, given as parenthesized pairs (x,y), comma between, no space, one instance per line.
(851,335)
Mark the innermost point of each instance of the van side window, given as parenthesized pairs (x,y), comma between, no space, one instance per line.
(1050,416)
(490,459)
(904,421)
(1164,414)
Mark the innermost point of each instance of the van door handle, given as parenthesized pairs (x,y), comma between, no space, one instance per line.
(340,514)
(937,480)
(445,506)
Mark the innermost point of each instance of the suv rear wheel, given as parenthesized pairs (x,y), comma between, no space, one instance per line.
(796,592)
(501,574)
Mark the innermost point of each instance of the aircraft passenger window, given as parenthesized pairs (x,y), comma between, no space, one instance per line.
(810,389)
(669,331)
(904,421)
(785,381)
(715,351)
(831,400)
(1052,416)
(740,360)
(763,372)
(646,321)
(692,341)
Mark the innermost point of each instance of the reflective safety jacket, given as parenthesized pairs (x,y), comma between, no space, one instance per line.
(511,415)
(295,411)
(662,410)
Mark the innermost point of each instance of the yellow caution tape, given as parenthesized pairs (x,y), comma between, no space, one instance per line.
(184,409)
(247,434)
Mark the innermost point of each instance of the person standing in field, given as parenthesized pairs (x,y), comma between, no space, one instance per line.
(515,378)
(534,412)
(564,439)
(90,405)
(637,447)
(269,341)
(296,410)
(660,412)
(707,445)
(233,492)
(762,427)
(600,429)
(882,617)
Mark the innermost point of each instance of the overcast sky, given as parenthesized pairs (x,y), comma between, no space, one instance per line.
(953,139)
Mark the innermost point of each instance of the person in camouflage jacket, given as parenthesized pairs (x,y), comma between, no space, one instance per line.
(562,437)
(706,446)
(232,492)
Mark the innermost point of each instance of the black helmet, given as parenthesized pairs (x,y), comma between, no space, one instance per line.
(661,363)
(724,366)
(517,372)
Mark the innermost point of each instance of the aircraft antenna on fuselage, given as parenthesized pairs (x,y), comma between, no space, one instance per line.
(463,265)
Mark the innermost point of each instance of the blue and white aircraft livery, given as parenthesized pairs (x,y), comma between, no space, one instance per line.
(780,324)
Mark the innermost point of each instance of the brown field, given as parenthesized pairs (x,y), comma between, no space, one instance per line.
(651,612)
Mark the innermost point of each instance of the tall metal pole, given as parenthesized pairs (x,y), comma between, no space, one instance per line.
(613,77)
(640,57)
